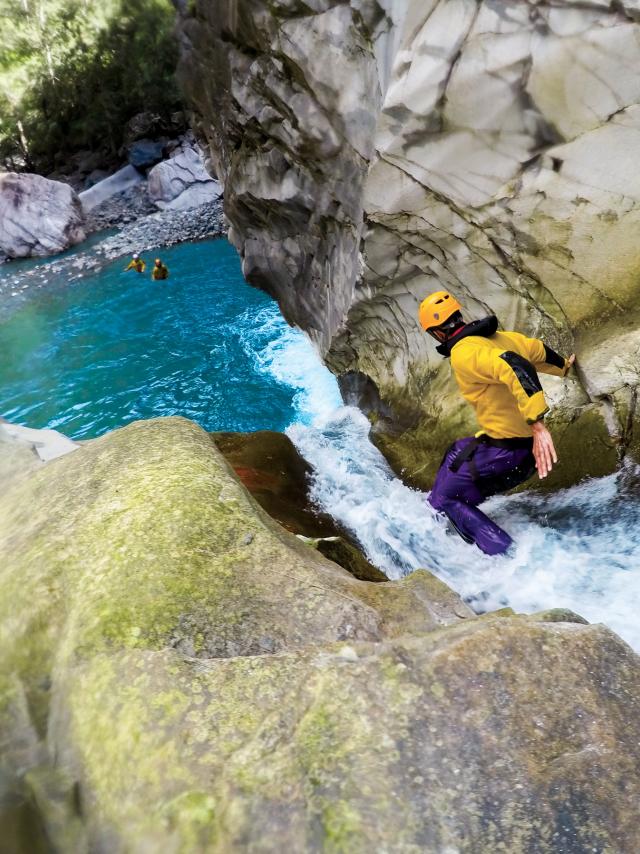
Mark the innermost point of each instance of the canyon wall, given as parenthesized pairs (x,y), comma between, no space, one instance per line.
(372,152)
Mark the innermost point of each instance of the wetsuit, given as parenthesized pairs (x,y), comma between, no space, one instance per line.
(160,272)
(497,373)
(136,264)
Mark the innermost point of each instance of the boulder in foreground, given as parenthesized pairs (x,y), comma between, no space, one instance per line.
(178,673)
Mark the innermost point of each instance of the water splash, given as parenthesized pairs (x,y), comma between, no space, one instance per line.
(288,356)
(578,548)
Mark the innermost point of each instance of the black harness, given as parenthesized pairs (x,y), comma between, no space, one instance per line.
(467,454)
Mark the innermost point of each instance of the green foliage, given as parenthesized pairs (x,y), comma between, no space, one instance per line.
(73,72)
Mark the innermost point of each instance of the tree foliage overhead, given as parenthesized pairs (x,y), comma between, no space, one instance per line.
(73,72)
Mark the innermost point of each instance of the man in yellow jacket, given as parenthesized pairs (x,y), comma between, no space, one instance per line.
(136,264)
(160,271)
(497,373)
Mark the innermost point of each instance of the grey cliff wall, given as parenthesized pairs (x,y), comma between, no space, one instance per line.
(374,151)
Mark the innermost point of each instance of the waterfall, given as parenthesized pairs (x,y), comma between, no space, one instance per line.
(578,548)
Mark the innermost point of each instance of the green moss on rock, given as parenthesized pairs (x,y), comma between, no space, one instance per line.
(179,673)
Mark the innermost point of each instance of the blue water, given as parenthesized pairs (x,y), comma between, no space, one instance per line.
(91,354)
(87,356)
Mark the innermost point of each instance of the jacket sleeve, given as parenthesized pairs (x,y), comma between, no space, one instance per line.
(520,377)
(545,360)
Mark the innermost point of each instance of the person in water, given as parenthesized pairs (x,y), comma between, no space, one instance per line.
(160,271)
(497,373)
(136,264)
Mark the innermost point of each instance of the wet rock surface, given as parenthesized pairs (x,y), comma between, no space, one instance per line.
(274,472)
(178,672)
(278,477)
(372,153)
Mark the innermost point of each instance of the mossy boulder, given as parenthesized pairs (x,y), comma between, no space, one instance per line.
(180,674)
(498,735)
(350,558)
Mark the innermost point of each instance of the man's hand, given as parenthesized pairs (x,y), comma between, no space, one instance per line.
(543,451)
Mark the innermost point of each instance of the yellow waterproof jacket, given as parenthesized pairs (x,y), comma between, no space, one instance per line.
(160,272)
(497,374)
(137,265)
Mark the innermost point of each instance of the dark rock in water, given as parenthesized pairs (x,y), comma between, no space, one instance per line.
(277,476)
(145,152)
(270,467)
(350,558)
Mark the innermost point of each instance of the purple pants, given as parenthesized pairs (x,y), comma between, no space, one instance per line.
(491,470)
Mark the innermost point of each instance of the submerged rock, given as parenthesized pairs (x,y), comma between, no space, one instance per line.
(178,673)
(278,477)
(371,153)
(38,216)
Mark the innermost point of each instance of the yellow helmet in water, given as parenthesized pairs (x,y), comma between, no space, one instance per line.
(436,309)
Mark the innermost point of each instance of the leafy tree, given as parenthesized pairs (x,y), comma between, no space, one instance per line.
(73,72)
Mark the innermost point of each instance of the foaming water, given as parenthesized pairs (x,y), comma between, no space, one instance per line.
(287,355)
(90,355)
(577,549)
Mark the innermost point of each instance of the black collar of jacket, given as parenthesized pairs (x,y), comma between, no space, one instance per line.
(484,328)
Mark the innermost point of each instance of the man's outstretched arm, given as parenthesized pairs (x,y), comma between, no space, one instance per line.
(521,377)
(544,358)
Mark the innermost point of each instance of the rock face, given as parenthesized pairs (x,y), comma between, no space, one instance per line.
(374,151)
(122,180)
(182,182)
(37,216)
(178,673)
(44,445)
(145,152)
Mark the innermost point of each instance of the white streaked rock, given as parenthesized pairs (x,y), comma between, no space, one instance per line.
(374,151)
(45,444)
(120,181)
(182,182)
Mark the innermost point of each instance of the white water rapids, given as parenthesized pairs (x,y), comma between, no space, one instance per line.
(577,549)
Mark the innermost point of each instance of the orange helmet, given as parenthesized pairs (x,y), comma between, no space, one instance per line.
(436,309)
